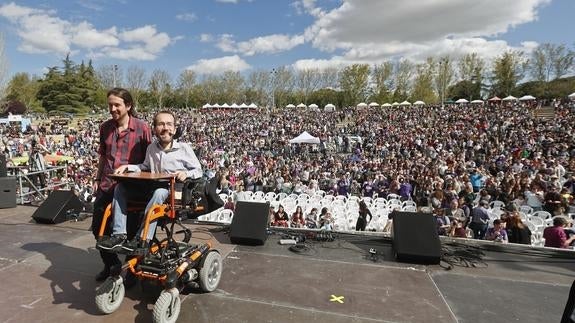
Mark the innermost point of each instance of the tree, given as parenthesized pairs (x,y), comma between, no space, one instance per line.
(110,76)
(353,82)
(3,66)
(508,69)
(444,77)
(549,60)
(281,85)
(186,84)
(232,86)
(403,74)
(308,80)
(470,69)
(159,86)
(136,83)
(257,84)
(383,81)
(423,82)
(24,88)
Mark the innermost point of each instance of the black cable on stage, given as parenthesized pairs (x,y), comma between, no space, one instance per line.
(453,255)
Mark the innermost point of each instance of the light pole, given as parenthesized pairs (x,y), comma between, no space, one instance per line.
(114,74)
(273,74)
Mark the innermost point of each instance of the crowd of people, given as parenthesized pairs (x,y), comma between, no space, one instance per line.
(448,158)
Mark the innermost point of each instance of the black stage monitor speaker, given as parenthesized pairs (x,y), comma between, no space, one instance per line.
(249,224)
(7,192)
(569,312)
(3,166)
(415,238)
(58,208)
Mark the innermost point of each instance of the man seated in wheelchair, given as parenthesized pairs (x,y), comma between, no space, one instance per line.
(164,155)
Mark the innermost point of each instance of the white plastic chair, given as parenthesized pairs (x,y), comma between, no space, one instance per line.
(541,214)
(526,209)
(497,204)
(258,196)
(281,196)
(409,208)
(409,203)
(270,196)
(392,196)
(225,216)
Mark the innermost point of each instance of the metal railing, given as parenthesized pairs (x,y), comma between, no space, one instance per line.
(28,191)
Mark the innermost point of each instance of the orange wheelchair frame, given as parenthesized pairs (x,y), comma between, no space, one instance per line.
(169,263)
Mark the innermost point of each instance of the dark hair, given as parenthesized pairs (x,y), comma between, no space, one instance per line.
(559,220)
(126,96)
(496,221)
(163,112)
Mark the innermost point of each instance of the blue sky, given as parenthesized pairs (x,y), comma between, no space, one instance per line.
(210,36)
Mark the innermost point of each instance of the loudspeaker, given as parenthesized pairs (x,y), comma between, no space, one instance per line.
(3,166)
(7,192)
(249,224)
(58,207)
(415,238)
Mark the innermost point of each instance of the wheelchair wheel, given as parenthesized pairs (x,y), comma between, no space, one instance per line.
(211,272)
(110,294)
(167,307)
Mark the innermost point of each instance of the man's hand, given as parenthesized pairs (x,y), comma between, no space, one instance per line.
(95,186)
(120,170)
(181,176)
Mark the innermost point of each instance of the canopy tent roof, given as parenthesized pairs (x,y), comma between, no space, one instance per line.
(234,106)
(418,103)
(362,105)
(289,106)
(305,138)
(477,101)
(509,98)
(462,101)
(394,104)
(526,98)
(312,106)
(243,106)
(301,105)
(329,107)
(572,95)
(252,106)
(373,104)
(386,105)
(405,103)
(225,105)
(495,98)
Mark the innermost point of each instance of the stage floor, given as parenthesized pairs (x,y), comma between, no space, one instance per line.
(48,275)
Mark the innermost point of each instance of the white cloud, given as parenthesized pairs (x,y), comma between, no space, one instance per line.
(260,45)
(187,17)
(307,7)
(362,31)
(206,38)
(219,65)
(41,31)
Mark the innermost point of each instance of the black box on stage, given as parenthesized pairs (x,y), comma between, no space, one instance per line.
(58,208)
(415,238)
(3,166)
(250,222)
(7,192)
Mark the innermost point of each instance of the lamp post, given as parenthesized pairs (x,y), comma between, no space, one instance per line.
(273,75)
(114,73)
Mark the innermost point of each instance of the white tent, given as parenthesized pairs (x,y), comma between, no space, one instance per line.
(527,98)
(373,104)
(418,103)
(362,105)
(301,105)
(206,106)
(252,106)
(571,96)
(290,106)
(329,107)
(225,105)
(477,101)
(509,98)
(243,106)
(305,138)
(386,105)
(405,103)
(234,106)
(312,106)
(217,105)
(461,101)
(394,104)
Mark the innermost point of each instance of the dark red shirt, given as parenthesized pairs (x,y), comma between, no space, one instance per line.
(554,237)
(121,148)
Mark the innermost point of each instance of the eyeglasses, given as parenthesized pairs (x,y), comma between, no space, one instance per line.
(165,124)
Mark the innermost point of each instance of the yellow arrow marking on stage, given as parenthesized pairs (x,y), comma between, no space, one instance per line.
(338,299)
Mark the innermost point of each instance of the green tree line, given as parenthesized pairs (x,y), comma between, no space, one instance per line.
(79,88)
